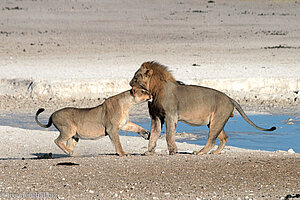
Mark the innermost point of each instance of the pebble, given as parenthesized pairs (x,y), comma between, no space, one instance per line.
(291,151)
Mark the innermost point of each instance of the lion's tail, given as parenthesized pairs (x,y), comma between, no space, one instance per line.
(39,123)
(240,110)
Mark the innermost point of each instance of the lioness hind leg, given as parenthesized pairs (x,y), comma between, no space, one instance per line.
(72,142)
(65,135)
(222,142)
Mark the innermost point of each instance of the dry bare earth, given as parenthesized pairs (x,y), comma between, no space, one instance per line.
(258,175)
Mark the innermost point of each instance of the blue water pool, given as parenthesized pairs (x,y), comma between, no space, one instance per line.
(241,134)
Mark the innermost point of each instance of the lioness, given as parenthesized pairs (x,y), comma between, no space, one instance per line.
(93,123)
(194,105)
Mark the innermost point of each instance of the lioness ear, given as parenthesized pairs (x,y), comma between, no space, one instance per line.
(149,72)
(133,91)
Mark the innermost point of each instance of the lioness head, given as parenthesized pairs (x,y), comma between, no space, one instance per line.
(140,95)
(142,77)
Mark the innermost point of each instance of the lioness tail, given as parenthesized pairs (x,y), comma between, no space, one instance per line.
(240,110)
(39,123)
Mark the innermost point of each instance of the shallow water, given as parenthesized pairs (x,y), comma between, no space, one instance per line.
(241,134)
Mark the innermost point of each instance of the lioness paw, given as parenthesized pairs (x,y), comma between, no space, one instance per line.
(148,153)
(145,134)
(123,154)
(198,153)
(73,154)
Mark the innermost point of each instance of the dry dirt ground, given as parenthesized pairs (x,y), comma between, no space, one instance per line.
(259,175)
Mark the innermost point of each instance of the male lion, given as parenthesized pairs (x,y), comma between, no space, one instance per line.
(93,123)
(194,105)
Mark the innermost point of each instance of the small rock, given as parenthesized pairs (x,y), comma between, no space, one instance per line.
(291,151)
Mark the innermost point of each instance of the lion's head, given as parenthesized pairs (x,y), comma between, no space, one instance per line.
(151,76)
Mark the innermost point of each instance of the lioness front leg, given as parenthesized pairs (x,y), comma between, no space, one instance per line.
(171,124)
(115,139)
(131,127)
(155,132)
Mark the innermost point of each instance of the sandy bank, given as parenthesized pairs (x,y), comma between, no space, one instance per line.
(260,90)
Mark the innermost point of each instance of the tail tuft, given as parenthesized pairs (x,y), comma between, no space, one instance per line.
(272,129)
(39,123)
(40,111)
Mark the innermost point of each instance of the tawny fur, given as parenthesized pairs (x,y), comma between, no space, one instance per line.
(194,105)
(93,123)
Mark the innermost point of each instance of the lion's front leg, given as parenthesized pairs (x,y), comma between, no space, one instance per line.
(155,132)
(171,124)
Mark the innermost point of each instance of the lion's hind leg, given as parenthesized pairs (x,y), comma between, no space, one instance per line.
(223,138)
(215,131)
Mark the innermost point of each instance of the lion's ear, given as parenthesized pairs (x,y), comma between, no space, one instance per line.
(143,66)
(149,72)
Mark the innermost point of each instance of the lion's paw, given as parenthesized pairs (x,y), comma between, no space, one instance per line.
(172,152)
(215,152)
